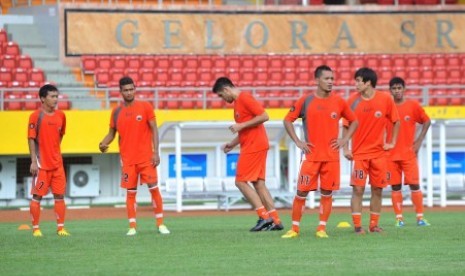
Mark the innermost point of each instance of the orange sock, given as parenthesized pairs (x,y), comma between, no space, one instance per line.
(397,200)
(273,214)
(326,204)
(298,207)
(34,210)
(374,218)
(357,219)
(157,203)
(60,209)
(417,200)
(131,207)
(261,211)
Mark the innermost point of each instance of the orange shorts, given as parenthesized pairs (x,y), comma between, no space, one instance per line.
(130,175)
(408,167)
(376,169)
(251,166)
(328,172)
(45,179)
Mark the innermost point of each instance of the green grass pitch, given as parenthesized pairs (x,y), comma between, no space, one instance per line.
(222,245)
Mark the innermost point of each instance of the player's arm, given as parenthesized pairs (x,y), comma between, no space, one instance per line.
(347,135)
(103,146)
(229,146)
(421,136)
(155,141)
(305,147)
(255,121)
(32,152)
(346,151)
(395,133)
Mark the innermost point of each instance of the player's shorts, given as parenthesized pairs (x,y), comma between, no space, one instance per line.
(408,167)
(251,166)
(130,175)
(376,169)
(49,179)
(327,172)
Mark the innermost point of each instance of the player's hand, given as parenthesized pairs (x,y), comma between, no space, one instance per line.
(34,168)
(348,154)
(338,143)
(227,148)
(155,159)
(305,147)
(235,128)
(388,146)
(103,147)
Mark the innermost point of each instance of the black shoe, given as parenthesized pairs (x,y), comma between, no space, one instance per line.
(275,227)
(262,224)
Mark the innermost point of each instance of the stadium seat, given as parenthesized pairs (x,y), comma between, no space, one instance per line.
(31,101)
(3,36)
(233,61)
(89,64)
(261,62)
(13,102)
(205,63)
(176,62)
(247,63)
(6,75)
(116,74)
(134,62)
(102,77)
(8,61)
(119,62)
(25,62)
(63,102)
(133,73)
(37,75)
(21,75)
(148,62)
(104,63)
(12,48)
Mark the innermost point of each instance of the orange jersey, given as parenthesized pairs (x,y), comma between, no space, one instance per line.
(47,131)
(251,139)
(410,113)
(320,118)
(135,134)
(373,116)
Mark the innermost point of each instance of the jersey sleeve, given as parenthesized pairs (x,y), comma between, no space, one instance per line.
(149,112)
(392,113)
(294,112)
(112,121)
(63,127)
(347,114)
(420,115)
(253,105)
(349,103)
(32,125)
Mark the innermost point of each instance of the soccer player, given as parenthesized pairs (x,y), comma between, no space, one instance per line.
(374,111)
(251,166)
(136,125)
(403,157)
(45,132)
(320,113)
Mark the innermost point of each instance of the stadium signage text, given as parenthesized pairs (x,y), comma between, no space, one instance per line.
(196,33)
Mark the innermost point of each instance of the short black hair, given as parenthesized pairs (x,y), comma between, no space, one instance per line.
(367,74)
(319,70)
(396,80)
(43,91)
(125,81)
(221,83)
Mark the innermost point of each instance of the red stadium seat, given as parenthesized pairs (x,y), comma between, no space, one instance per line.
(102,77)
(116,74)
(104,62)
(21,75)
(119,62)
(146,75)
(177,62)
(63,102)
(88,64)
(261,62)
(31,101)
(3,36)
(192,62)
(8,61)
(148,62)
(133,73)
(204,78)
(13,102)
(12,48)
(205,63)
(303,63)
(6,75)
(247,63)
(163,63)
(25,62)
(134,62)
(233,61)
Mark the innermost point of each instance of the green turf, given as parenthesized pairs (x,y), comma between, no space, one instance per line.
(222,245)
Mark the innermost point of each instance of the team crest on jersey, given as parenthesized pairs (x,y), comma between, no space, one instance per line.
(292,108)
(236,115)
(31,126)
(139,118)
(378,114)
(407,118)
(333,115)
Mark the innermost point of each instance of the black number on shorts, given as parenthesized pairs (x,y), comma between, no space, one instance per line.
(358,174)
(388,175)
(304,179)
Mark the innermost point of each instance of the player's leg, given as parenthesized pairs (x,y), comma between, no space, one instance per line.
(377,173)
(58,185)
(412,178)
(39,188)
(246,171)
(148,174)
(306,182)
(267,200)
(129,178)
(394,178)
(358,181)
(330,181)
